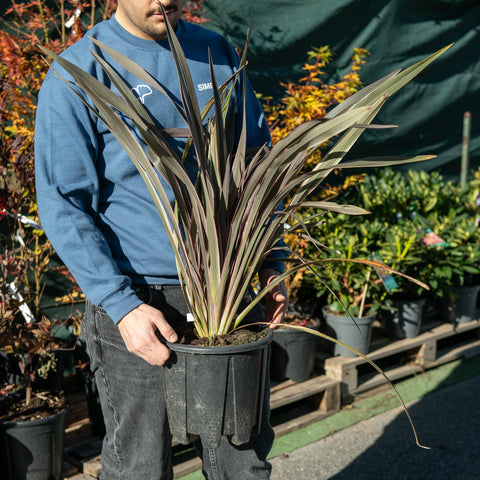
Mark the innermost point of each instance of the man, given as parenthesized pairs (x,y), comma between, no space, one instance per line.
(101,220)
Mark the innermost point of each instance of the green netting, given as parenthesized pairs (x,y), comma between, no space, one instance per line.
(397,33)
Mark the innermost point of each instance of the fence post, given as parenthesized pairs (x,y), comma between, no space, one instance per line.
(465,141)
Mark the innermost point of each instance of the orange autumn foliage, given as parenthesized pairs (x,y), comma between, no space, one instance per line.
(55,24)
(310,97)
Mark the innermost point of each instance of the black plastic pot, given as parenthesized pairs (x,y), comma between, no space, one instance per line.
(354,334)
(215,391)
(293,354)
(32,450)
(465,299)
(405,319)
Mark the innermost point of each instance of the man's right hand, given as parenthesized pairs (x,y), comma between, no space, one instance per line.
(138,330)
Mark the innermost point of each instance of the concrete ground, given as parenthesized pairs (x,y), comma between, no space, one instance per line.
(382,447)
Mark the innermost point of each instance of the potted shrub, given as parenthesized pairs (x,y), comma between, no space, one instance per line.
(226,221)
(32,412)
(32,404)
(354,292)
(32,409)
(454,265)
(394,199)
(415,207)
(403,249)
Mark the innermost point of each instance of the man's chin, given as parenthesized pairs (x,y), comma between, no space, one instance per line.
(157,27)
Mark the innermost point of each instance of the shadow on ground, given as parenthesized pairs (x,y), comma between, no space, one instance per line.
(382,448)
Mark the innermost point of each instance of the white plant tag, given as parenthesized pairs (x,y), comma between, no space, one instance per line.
(190,317)
(24,310)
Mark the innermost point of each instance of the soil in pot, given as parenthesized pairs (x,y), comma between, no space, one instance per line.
(242,336)
(13,407)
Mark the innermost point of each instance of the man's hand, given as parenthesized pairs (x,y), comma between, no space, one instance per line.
(138,330)
(276,300)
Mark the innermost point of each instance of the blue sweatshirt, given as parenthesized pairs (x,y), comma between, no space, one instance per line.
(93,204)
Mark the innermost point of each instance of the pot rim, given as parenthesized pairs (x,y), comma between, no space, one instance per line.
(32,423)
(342,317)
(284,329)
(224,350)
(326,308)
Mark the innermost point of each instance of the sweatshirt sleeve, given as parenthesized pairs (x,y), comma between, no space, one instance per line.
(66,146)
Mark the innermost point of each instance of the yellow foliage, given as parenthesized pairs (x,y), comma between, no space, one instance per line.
(310,98)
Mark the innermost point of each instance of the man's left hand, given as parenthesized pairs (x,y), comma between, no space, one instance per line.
(276,300)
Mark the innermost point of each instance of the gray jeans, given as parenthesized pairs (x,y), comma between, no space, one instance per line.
(137,444)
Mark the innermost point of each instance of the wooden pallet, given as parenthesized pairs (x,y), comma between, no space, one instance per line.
(311,401)
(402,358)
(295,405)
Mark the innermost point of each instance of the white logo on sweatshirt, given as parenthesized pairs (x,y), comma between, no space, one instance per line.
(142,91)
(204,86)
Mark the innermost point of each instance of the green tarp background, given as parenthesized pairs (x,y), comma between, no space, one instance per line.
(397,33)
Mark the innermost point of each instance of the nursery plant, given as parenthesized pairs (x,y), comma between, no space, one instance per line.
(32,405)
(24,259)
(226,221)
(215,263)
(27,338)
(454,262)
(344,279)
(403,249)
(396,195)
(303,288)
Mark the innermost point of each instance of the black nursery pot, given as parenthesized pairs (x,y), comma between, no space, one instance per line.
(32,450)
(404,321)
(459,304)
(465,299)
(293,354)
(215,391)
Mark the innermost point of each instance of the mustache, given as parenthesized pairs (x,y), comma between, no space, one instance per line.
(168,8)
